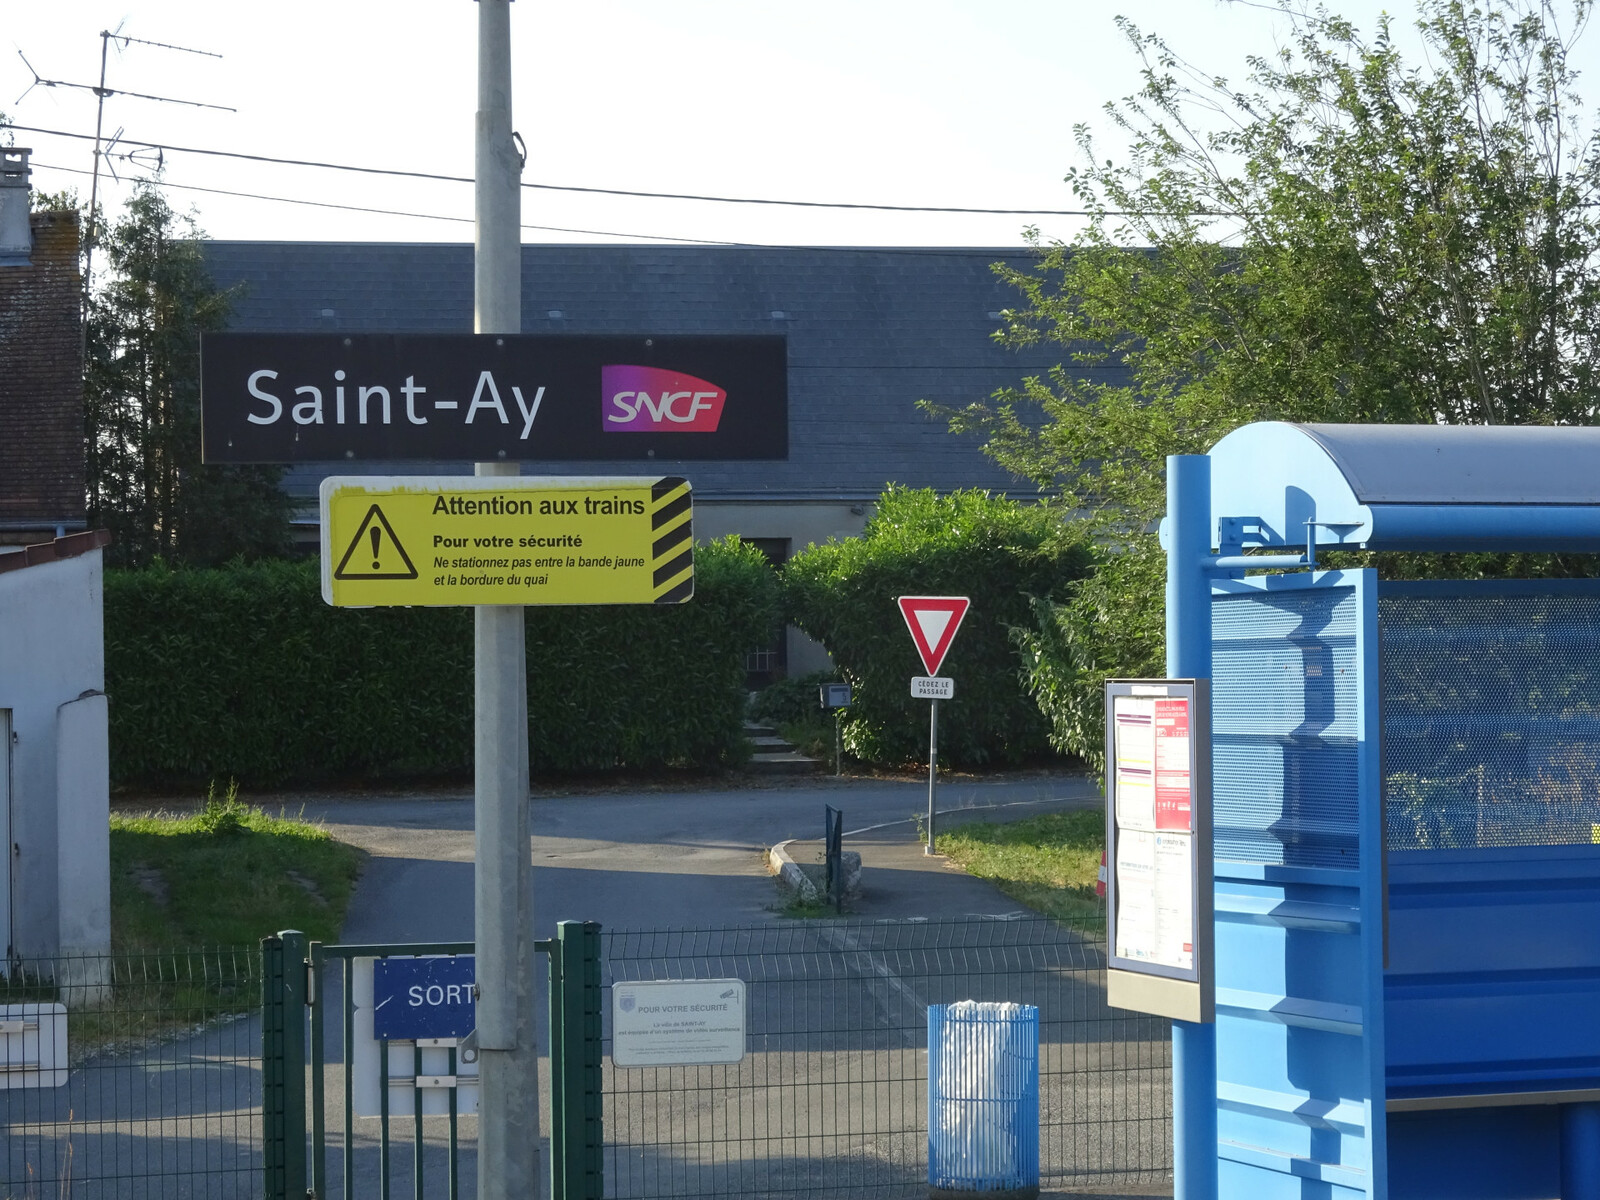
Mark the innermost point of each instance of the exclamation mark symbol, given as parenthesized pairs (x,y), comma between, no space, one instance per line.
(375,535)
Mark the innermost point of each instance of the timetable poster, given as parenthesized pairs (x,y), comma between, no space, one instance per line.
(1154,799)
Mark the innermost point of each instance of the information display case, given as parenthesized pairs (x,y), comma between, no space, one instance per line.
(1158,847)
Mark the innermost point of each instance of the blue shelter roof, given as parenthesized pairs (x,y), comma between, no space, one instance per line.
(1408,487)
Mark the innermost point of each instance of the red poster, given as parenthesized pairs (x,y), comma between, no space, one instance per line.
(1174,790)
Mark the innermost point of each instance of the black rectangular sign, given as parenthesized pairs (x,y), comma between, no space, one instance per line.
(318,397)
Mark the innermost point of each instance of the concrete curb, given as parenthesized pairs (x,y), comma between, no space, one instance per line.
(808,885)
(789,873)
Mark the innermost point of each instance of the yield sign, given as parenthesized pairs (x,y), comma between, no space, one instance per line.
(933,621)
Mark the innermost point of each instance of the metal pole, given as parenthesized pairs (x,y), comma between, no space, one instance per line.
(508,1128)
(1194,1046)
(93,233)
(838,744)
(933,768)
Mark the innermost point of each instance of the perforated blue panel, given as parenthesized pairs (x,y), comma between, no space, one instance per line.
(1283,705)
(1491,714)
(1297,890)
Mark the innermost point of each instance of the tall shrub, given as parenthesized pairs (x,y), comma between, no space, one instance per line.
(242,671)
(1000,553)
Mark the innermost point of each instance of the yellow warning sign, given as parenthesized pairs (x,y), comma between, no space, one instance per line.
(462,540)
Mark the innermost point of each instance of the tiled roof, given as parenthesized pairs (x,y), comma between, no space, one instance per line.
(870,333)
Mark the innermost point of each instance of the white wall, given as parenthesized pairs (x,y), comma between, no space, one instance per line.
(52,653)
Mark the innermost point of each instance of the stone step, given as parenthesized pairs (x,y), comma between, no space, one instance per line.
(785,762)
(767,741)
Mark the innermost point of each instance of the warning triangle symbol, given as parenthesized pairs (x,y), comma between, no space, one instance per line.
(375,552)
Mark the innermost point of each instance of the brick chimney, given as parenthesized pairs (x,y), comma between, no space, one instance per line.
(41,365)
(16,241)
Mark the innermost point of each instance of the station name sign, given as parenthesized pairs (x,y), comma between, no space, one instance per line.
(316,397)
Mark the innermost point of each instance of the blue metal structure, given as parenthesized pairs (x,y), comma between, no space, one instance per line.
(1406,789)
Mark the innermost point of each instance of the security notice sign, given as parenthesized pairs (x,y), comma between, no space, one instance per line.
(677,1022)
(463,540)
(1158,840)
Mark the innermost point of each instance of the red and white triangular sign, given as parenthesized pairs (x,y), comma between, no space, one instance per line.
(933,621)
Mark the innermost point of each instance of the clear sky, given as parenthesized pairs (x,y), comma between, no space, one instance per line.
(906,102)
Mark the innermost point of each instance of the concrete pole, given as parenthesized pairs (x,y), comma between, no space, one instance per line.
(508,1122)
(1194,1046)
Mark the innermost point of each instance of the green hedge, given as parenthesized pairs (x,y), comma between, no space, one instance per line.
(995,550)
(243,672)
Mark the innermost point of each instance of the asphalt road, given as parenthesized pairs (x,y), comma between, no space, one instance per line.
(664,859)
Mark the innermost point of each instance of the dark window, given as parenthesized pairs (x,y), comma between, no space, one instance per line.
(769,662)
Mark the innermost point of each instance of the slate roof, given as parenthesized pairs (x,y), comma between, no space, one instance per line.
(871,332)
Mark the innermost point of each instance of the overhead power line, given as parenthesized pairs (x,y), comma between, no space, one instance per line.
(387,212)
(585,190)
(653,237)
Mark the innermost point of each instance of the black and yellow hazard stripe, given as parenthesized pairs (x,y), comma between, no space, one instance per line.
(672,548)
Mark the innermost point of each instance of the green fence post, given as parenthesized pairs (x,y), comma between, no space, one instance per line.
(283,1064)
(558,1140)
(593,1114)
(576,1114)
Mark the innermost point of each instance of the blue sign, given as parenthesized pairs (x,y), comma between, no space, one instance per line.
(423,997)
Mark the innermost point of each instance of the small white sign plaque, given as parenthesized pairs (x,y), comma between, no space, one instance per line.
(677,1022)
(933,687)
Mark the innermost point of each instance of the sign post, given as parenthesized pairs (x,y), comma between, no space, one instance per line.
(508,1130)
(837,697)
(933,621)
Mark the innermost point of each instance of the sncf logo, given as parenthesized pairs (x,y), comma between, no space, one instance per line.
(648,399)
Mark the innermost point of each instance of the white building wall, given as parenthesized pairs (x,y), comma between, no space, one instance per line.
(52,653)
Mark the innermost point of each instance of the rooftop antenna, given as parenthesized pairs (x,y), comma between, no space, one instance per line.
(101,91)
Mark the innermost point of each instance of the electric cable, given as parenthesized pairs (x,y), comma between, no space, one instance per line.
(653,237)
(599,191)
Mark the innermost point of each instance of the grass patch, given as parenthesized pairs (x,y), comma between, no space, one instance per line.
(227,875)
(1049,863)
(799,909)
(191,896)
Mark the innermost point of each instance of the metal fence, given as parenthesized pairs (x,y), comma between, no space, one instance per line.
(831,1098)
(163,1098)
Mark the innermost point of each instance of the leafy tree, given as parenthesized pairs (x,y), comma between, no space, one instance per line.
(142,404)
(1349,237)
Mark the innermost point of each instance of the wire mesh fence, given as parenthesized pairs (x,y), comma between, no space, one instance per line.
(160,1091)
(830,1099)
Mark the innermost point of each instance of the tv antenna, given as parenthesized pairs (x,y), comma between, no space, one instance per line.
(101,92)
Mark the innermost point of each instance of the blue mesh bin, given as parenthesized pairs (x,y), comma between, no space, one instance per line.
(983,1099)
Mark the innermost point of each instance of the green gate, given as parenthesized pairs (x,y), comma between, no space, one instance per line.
(294,1133)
